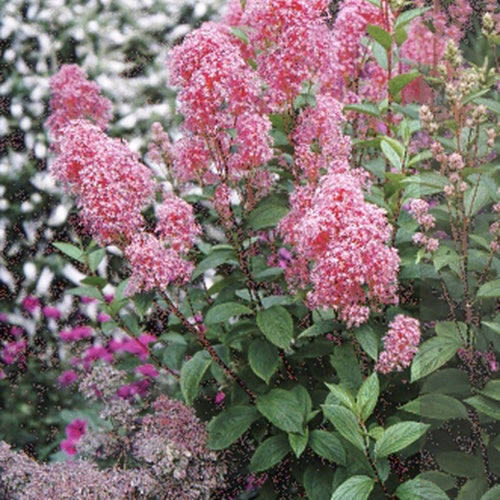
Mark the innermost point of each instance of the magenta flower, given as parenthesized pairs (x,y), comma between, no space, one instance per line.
(103,317)
(12,351)
(67,378)
(68,446)
(76,429)
(139,388)
(51,312)
(148,370)
(31,304)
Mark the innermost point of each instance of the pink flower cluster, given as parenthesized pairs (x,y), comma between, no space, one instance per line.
(136,346)
(400,343)
(342,239)
(75,334)
(74,431)
(419,209)
(74,97)
(13,351)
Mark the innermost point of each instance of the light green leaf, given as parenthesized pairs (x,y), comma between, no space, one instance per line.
(436,406)
(229,425)
(399,82)
(391,154)
(492,389)
(405,17)
(282,409)
(355,488)
(457,331)
(317,329)
(492,494)
(485,405)
(70,250)
(269,453)
(222,312)
(86,291)
(380,35)
(367,397)
(432,354)
(239,33)
(343,395)
(298,442)
(263,358)
(368,340)
(366,109)
(420,488)
(191,374)
(346,424)
(328,446)
(214,259)
(399,436)
(490,289)
(276,324)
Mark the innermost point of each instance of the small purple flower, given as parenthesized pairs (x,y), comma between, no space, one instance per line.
(103,317)
(31,304)
(51,312)
(148,370)
(67,378)
(219,397)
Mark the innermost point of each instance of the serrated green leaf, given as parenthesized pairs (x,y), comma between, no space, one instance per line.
(263,358)
(269,453)
(346,424)
(432,354)
(489,289)
(86,291)
(368,340)
(317,329)
(452,330)
(191,374)
(343,395)
(485,405)
(355,488)
(405,17)
(276,324)
(399,82)
(492,390)
(391,154)
(222,312)
(282,409)
(268,213)
(239,33)
(214,259)
(460,464)
(367,397)
(492,493)
(95,258)
(298,442)
(366,109)
(327,445)
(399,436)
(70,250)
(229,425)
(436,406)
(380,35)
(420,488)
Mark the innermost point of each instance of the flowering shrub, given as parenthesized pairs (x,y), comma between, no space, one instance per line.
(313,266)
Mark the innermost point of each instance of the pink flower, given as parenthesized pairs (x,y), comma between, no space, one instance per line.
(51,312)
(148,370)
(77,333)
(139,388)
(103,317)
(68,446)
(74,97)
(67,378)
(76,429)
(16,331)
(219,397)
(31,304)
(401,344)
(95,353)
(12,351)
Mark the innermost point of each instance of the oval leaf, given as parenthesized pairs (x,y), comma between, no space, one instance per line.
(282,409)
(276,324)
(436,406)
(269,453)
(346,424)
(490,289)
(191,374)
(222,312)
(328,446)
(263,359)
(399,436)
(355,488)
(420,488)
(367,397)
(228,426)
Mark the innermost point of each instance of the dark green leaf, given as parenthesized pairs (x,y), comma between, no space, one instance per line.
(343,395)
(268,213)
(432,354)
(276,324)
(399,82)
(492,389)
(328,446)
(214,259)
(191,374)
(263,358)
(282,409)
(473,489)
(492,494)
(298,442)
(490,289)
(420,488)
(448,381)
(368,340)
(96,281)
(444,481)
(355,488)
(367,397)
(228,426)
(222,312)
(346,424)
(460,464)
(399,436)
(269,453)
(456,331)
(380,35)
(318,482)
(436,406)
(317,329)
(485,405)
(70,250)
(477,197)
(405,17)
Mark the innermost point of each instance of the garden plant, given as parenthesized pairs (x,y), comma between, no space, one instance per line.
(294,293)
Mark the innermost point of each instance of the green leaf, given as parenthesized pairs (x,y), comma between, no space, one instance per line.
(318,482)
(380,35)
(95,258)
(86,291)
(229,425)
(239,33)
(191,374)
(368,340)
(96,281)
(366,109)
(304,400)
(70,250)
(282,409)
(400,36)
(355,488)
(436,406)
(448,381)
(343,395)
(399,82)
(492,389)
(493,326)
(268,213)
(399,436)
(490,289)
(269,453)
(346,424)
(263,358)
(280,138)
(452,330)
(477,197)
(405,17)
(485,405)
(214,259)
(317,329)
(473,489)
(276,324)
(367,397)
(492,494)
(432,354)
(420,488)
(460,464)
(328,446)
(391,154)
(444,481)
(380,54)
(298,442)
(222,312)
